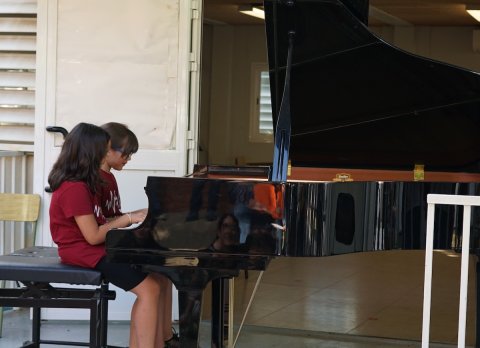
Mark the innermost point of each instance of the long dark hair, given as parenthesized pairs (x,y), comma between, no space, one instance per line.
(82,153)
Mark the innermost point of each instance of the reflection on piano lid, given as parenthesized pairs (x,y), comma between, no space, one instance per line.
(358,102)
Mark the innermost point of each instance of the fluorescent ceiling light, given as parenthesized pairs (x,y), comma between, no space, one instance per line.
(252,11)
(474,11)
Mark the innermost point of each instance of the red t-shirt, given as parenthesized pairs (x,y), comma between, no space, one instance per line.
(69,200)
(108,195)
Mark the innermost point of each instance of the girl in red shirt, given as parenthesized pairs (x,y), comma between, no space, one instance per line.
(123,144)
(78,227)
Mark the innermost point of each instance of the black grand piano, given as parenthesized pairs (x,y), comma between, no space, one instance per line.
(364,131)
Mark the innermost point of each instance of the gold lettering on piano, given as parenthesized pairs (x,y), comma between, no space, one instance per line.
(419,172)
(342,177)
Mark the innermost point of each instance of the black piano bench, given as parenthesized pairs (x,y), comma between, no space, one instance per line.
(35,268)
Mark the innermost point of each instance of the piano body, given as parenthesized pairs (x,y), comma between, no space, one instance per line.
(357,120)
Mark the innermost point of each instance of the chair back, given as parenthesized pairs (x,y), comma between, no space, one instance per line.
(16,207)
(19,207)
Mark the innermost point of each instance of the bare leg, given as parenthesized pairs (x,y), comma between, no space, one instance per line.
(145,316)
(162,335)
(132,340)
(167,311)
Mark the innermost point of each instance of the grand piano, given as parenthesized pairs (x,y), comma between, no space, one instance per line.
(364,131)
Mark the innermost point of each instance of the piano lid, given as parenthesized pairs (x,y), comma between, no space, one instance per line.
(358,102)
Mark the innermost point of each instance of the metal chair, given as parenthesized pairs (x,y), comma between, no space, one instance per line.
(17,207)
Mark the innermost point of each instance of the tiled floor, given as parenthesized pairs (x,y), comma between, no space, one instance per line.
(353,301)
(377,294)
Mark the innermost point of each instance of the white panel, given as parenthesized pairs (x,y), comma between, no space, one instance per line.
(17,97)
(17,116)
(17,43)
(18,6)
(24,79)
(19,25)
(155,160)
(124,70)
(131,184)
(17,147)
(12,61)
(17,134)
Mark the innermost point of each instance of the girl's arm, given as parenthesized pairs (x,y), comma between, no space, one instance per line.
(134,217)
(94,233)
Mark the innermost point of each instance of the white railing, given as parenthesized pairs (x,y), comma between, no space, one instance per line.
(467,202)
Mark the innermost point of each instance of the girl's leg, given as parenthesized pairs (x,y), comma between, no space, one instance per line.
(132,341)
(145,316)
(164,325)
(167,311)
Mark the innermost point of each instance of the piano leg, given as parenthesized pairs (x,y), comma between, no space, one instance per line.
(218,311)
(190,283)
(190,306)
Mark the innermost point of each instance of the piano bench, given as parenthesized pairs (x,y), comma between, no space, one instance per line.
(36,267)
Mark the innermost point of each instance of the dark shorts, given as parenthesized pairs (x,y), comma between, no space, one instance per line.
(123,275)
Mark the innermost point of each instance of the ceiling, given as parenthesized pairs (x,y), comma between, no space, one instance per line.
(382,12)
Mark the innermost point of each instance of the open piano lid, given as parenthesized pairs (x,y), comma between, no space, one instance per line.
(358,102)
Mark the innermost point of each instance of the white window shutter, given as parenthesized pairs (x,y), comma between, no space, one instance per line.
(265,125)
(18,24)
(261,123)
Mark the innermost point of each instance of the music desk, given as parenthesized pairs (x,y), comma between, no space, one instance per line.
(36,268)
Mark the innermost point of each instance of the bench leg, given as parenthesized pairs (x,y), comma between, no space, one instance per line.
(2,285)
(99,318)
(36,326)
(95,325)
(103,316)
(94,300)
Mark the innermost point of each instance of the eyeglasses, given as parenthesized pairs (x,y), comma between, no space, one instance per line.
(122,151)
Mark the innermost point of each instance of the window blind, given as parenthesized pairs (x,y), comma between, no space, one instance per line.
(18,22)
(265,123)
